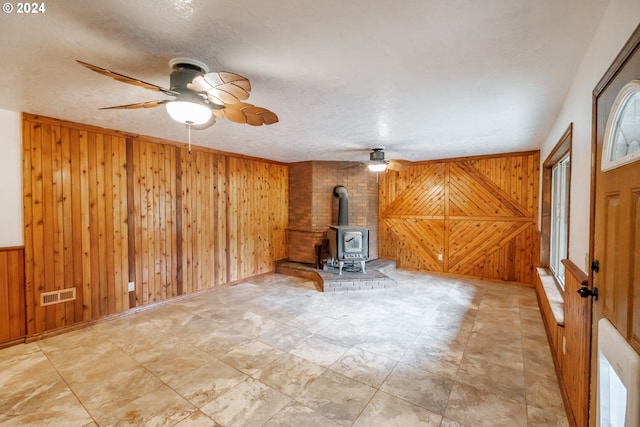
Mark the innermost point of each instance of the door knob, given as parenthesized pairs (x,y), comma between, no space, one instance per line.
(586,293)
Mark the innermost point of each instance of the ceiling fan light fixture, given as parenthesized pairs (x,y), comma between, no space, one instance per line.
(188,112)
(377,167)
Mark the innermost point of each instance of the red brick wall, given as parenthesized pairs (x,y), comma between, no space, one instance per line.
(313,207)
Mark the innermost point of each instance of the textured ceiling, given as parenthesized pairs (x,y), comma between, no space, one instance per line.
(426,79)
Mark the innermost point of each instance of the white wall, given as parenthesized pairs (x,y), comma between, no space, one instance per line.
(11,232)
(617,25)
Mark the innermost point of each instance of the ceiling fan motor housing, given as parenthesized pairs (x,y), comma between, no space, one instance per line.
(184,71)
(377,155)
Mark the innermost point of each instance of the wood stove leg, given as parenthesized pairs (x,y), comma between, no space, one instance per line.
(362,265)
(340,265)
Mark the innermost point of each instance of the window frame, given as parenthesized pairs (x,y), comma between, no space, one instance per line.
(548,257)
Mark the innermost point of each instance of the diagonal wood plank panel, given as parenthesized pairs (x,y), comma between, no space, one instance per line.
(422,196)
(485,209)
(472,241)
(421,237)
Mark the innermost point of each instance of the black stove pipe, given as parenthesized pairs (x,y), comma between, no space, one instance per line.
(343,204)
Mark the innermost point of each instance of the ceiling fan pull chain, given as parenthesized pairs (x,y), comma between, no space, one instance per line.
(189,127)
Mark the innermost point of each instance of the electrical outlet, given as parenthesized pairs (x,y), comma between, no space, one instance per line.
(132,286)
(440,257)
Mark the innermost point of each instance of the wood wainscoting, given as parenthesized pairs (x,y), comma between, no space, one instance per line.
(567,319)
(12,294)
(103,209)
(474,216)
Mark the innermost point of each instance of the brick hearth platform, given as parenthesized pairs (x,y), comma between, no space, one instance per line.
(328,280)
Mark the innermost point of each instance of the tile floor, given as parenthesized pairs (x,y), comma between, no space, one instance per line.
(275,352)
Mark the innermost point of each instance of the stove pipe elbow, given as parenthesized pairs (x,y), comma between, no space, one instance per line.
(343,204)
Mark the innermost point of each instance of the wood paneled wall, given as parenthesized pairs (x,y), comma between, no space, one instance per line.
(570,341)
(577,361)
(479,213)
(103,209)
(75,213)
(12,295)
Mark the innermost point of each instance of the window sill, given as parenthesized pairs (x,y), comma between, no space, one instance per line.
(553,294)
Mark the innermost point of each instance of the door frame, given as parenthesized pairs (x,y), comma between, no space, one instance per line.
(614,69)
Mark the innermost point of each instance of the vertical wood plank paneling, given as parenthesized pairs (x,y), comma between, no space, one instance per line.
(85,219)
(38,320)
(110,295)
(232,220)
(576,366)
(178,210)
(129,182)
(48,282)
(58,219)
(113,209)
(12,294)
(73,222)
(101,258)
(5,333)
(68,268)
(223,219)
(27,193)
(16,290)
(157,270)
(486,208)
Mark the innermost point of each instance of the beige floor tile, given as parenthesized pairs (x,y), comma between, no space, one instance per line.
(390,345)
(197,419)
(160,407)
(251,357)
(543,392)
(446,422)
(336,397)
(297,415)
(435,356)
(385,410)
(320,350)
(275,350)
(426,389)
(250,403)
(182,362)
(506,382)
(206,383)
(493,349)
(476,407)
(366,367)
(50,404)
(285,337)
(311,322)
(101,397)
(289,374)
(546,418)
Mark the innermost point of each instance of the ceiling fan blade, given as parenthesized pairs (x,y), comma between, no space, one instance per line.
(249,114)
(346,164)
(399,165)
(222,87)
(126,79)
(148,104)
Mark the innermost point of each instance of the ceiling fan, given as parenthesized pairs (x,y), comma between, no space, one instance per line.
(377,162)
(200,96)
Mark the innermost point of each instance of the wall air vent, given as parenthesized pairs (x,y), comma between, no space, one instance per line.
(56,297)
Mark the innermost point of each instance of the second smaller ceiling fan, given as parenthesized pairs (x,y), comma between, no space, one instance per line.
(378,163)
